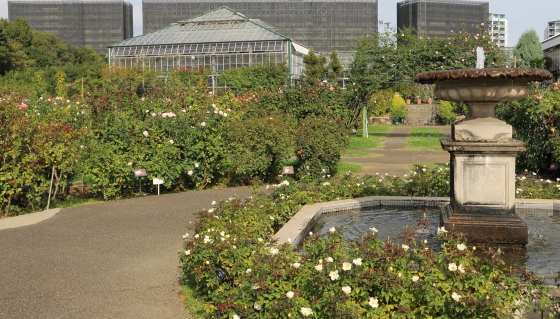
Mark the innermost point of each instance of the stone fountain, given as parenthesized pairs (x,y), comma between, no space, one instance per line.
(482,153)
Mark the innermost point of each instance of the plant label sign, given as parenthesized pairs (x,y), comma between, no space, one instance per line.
(221,274)
(158,181)
(140,172)
(287,169)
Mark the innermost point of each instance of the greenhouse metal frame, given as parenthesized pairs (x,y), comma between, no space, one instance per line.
(218,40)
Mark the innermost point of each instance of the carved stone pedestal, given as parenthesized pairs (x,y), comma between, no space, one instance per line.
(483,153)
(483,193)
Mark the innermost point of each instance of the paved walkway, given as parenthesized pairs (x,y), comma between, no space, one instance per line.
(120,259)
(111,260)
(396,161)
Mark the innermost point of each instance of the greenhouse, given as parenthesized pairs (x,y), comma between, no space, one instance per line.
(217,40)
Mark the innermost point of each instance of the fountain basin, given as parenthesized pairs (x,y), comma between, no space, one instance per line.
(297,228)
(494,90)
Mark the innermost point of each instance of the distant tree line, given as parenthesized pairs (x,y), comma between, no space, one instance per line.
(39,62)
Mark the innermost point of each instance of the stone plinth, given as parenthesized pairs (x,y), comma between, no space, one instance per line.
(482,130)
(483,192)
(483,152)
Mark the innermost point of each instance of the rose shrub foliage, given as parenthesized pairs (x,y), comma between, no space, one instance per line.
(175,129)
(330,277)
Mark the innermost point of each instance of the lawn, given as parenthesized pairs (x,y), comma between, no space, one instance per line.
(345,167)
(377,135)
(424,139)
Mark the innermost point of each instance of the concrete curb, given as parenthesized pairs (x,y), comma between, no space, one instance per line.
(27,219)
(297,228)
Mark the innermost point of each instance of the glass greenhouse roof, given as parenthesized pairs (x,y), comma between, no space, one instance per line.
(219,25)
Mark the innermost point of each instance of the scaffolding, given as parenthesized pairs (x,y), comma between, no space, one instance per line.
(440,17)
(218,40)
(95,24)
(325,25)
(551,49)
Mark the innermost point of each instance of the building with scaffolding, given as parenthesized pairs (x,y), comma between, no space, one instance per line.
(324,25)
(441,17)
(551,49)
(95,23)
(218,40)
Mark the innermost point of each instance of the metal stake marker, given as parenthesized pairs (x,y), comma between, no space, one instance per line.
(158,181)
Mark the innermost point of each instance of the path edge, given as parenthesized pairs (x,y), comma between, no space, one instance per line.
(27,219)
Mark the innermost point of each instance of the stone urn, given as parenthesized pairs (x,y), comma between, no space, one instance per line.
(482,153)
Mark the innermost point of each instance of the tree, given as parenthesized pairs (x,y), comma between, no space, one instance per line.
(4,51)
(541,63)
(30,61)
(19,31)
(396,56)
(314,67)
(12,54)
(335,67)
(528,49)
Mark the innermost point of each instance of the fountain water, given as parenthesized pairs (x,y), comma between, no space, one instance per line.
(482,153)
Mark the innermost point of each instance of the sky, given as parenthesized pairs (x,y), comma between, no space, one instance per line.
(522,15)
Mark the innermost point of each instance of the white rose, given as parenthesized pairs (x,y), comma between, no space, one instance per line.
(334,275)
(306,311)
(373,302)
(456,296)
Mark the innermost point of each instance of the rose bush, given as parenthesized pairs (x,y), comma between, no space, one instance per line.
(535,121)
(176,129)
(238,270)
(40,140)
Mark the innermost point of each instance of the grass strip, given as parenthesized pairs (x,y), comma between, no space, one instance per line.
(345,167)
(376,137)
(73,202)
(424,139)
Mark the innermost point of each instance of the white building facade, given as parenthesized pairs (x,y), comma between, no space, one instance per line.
(498,28)
(552,29)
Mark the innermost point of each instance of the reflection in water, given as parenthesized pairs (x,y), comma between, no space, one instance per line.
(542,255)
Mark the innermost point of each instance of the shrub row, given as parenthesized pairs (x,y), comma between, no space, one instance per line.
(175,129)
